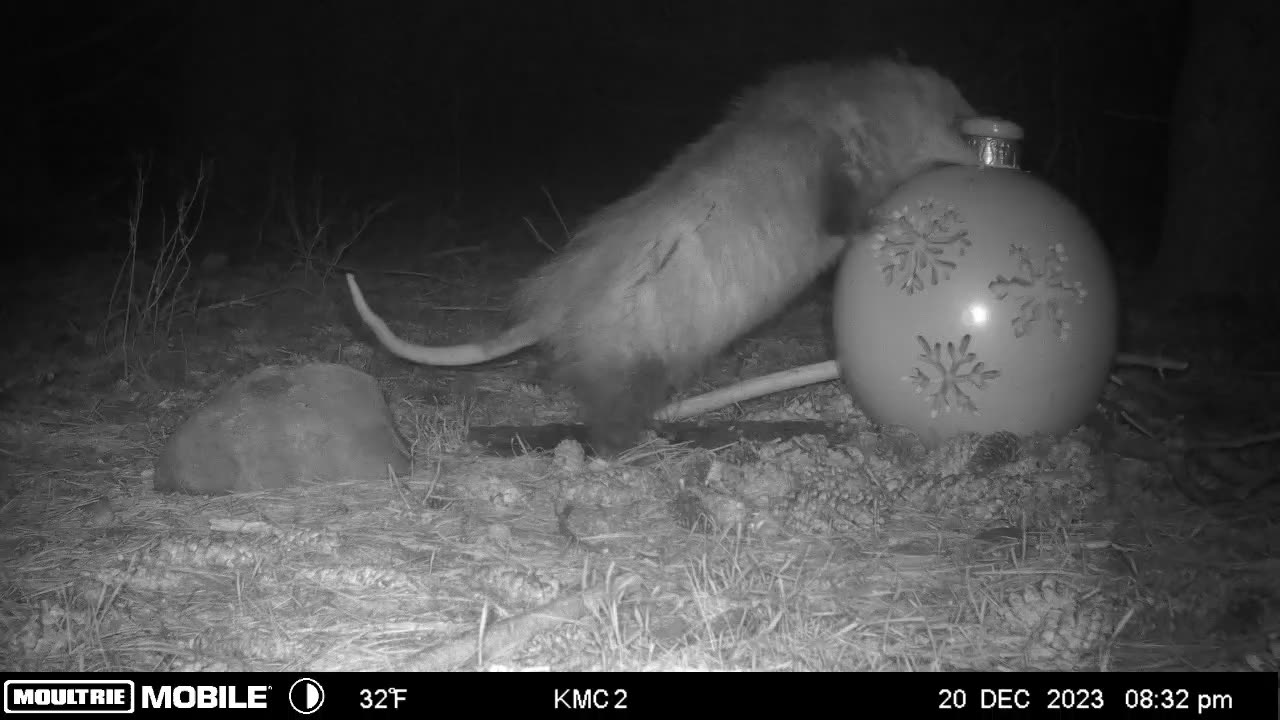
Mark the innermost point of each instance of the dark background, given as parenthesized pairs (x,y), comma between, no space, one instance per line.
(469,109)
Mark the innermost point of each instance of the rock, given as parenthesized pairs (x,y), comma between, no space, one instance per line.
(281,426)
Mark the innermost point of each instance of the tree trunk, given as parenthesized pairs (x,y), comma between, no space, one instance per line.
(1218,236)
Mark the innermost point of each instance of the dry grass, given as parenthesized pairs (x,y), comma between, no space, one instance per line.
(474,562)
(353,576)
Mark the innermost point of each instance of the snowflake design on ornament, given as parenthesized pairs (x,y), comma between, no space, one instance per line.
(1039,291)
(919,246)
(946,391)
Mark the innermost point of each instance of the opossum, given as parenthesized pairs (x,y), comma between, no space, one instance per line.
(656,284)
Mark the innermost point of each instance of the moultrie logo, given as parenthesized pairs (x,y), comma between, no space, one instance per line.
(68,696)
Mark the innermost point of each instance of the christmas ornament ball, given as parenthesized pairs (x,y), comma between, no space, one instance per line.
(983,300)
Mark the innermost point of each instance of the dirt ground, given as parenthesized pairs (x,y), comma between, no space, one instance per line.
(1146,540)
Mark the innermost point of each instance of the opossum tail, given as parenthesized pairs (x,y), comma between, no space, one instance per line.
(515,338)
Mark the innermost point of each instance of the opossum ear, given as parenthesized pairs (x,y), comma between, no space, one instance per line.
(843,204)
(836,214)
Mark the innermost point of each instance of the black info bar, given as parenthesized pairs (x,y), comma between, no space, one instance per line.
(950,695)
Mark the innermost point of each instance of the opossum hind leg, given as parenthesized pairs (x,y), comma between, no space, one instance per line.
(618,399)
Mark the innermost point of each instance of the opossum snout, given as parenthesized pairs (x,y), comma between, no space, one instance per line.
(949,148)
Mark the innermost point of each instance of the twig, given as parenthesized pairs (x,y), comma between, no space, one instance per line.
(495,641)
(1157,362)
(453,251)
(467,308)
(1237,443)
(537,235)
(1137,425)
(404,273)
(563,226)
(247,300)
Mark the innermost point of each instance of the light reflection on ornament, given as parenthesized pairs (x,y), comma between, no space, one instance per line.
(977,316)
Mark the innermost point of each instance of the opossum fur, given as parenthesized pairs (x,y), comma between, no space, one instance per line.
(656,284)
